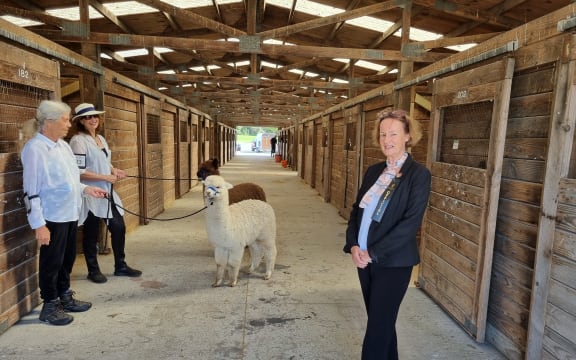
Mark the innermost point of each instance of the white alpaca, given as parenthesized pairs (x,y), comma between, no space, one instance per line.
(231,228)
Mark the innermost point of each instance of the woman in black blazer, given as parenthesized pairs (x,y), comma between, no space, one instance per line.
(381,233)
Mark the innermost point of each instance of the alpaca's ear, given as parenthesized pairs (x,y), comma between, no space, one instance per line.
(229,186)
(215,162)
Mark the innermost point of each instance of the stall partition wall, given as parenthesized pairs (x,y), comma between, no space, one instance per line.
(151,160)
(470,112)
(194,147)
(320,154)
(308,151)
(121,131)
(25,80)
(183,150)
(169,140)
(552,321)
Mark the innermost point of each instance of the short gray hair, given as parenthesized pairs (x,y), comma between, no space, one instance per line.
(48,110)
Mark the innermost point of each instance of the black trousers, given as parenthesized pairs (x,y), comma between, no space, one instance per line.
(383,289)
(117,229)
(57,259)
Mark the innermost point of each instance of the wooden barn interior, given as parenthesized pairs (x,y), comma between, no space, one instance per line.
(492,82)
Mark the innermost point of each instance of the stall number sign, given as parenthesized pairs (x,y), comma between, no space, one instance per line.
(23,72)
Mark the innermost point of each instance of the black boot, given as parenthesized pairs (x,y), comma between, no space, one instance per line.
(72,305)
(53,313)
(125,270)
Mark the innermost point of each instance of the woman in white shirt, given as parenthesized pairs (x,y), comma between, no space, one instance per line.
(93,156)
(53,198)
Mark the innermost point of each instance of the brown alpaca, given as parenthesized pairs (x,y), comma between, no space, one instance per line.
(237,193)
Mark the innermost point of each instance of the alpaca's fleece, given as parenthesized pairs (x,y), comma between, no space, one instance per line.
(231,228)
(239,192)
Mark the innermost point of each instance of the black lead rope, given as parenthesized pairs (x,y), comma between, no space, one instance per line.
(111,199)
(163,179)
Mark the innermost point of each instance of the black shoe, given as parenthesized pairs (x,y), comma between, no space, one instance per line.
(53,313)
(72,305)
(127,271)
(97,277)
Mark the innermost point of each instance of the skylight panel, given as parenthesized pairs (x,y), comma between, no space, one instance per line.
(461,47)
(340,81)
(19,21)
(198,68)
(296,71)
(243,63)
(128,8)
(163,50)
(308,7)
(369,65)
(169,72)
(269,64)
(130,53)
(313,8)
(73,13)
(370,23)
(183,4)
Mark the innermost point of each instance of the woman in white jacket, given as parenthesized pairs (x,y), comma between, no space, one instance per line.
(93,156)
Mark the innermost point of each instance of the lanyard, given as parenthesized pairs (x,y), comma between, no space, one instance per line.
(383,202)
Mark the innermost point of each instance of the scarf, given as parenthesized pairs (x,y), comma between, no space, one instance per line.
(390,173)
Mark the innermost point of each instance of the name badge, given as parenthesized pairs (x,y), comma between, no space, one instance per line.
(81,161)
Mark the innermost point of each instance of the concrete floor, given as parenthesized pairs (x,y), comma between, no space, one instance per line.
(311,308)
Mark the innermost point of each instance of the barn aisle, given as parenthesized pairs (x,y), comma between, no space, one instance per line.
(311,308)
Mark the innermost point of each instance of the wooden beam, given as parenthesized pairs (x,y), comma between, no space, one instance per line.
(70,88)
(336,27)
(193,17)
(258,81)
(469,12)
(289,99)
(31,40)
(33,15)
(452,41)
(110,16)
(223,46)
(286,68)
(392,29)
(328,20)
(496,10)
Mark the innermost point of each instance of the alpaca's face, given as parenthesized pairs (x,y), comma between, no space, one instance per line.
(214,186)
(207,168)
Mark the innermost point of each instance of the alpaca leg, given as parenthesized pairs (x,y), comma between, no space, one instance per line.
(220,256)
(219,275)
(270,260)
(255,256)
(234,262)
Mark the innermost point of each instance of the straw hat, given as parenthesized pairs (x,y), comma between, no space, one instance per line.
(86,109)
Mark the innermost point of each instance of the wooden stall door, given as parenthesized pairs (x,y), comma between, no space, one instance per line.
(469,114)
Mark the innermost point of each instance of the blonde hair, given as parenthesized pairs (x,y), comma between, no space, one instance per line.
(48,110)
(411,127)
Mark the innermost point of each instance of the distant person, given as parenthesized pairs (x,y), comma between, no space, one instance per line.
(273,142)
(94,160)
(53,198)
(381,232)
